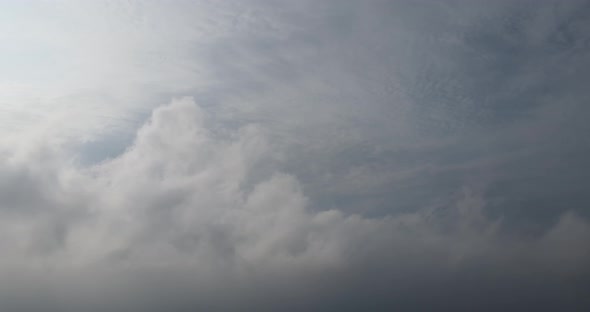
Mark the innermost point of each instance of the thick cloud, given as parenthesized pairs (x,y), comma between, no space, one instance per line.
(190,218)
(330,155)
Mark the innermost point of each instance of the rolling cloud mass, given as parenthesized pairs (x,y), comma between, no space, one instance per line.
(294,155)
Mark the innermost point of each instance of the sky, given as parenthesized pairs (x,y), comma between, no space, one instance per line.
(258,155)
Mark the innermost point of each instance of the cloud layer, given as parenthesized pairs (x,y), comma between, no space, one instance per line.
(318,155)
(191,218)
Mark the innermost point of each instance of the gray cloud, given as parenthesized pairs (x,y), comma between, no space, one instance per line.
(178,222)
(331,156)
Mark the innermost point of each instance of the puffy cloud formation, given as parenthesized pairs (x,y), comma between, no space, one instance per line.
(341,155)
(196,216)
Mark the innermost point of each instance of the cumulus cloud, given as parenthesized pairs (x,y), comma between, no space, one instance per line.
(193,216)
(330,155)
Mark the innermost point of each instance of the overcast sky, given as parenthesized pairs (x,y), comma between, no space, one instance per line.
(332,155)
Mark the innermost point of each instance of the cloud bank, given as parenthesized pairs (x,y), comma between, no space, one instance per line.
(189,218)
(318,155)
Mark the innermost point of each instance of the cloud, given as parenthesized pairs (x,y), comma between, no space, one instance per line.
(375,155)
(188,218)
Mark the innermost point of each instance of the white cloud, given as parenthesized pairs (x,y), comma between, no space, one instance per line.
(178,201)
(341,152)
